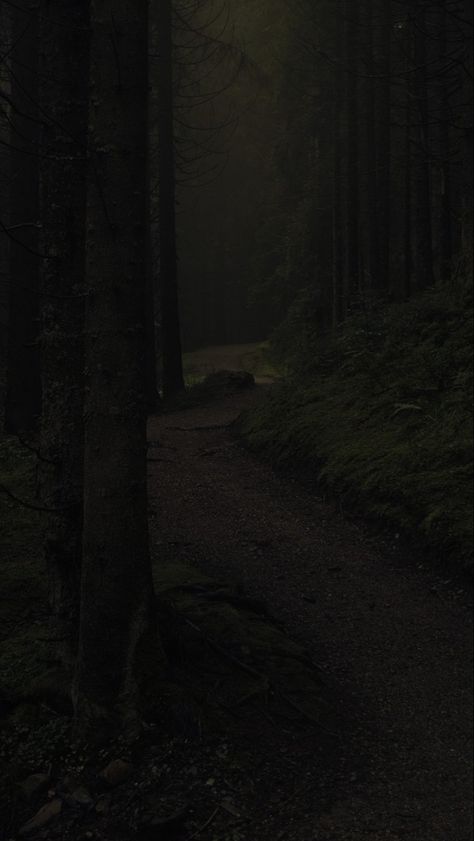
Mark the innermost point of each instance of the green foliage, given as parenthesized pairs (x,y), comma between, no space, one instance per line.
(19,550)
(383,414)
(254,358)
(17,475)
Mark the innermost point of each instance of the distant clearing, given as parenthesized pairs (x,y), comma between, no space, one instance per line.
(248,357)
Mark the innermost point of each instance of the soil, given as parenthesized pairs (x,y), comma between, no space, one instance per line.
(319,686)
(393,635)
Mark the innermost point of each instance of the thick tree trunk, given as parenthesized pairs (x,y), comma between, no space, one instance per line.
(118,646)
(23,397)
(173,379)
(63,98)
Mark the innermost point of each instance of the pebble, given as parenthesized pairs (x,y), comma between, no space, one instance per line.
(117,772)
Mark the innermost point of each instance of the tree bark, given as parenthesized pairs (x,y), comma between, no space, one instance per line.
(446,156)
(63,100)
(384,147)
(119,653)
(338,227)
(5,174)
(372,154)
(173,379)
(424,226)
(408,207)
(353,150)
(23,394)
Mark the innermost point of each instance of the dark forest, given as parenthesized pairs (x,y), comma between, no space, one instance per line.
(236,391)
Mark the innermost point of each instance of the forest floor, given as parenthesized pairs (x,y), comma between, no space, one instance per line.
(320,678)
(393,634)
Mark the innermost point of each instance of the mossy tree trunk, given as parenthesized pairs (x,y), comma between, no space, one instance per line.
(118,644)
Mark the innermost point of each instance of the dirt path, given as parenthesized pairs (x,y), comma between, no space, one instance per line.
(394,635)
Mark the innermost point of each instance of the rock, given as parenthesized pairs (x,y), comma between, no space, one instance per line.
(34,786)
(102,806)
(44,816)
(229,807)
(117,772)
(82,797)
(171,822)
(229,381)
(68,784)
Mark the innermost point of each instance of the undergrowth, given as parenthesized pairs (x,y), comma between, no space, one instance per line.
(382,414)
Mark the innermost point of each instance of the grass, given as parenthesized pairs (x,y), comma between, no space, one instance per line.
(383,416)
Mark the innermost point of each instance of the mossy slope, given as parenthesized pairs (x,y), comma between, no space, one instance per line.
(384,416)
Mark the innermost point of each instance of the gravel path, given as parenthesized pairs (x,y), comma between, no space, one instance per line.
(394,635)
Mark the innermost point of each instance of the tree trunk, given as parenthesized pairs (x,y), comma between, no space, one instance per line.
(118,646)
(5,174)
(372,154)
(408,207)
(173,379)
(445,117)
(23,397)
(338,227)
(384,147)
(353,150)
(424,229)
(63,100)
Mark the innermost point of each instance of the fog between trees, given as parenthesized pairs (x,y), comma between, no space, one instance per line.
(272,166)
(347,173)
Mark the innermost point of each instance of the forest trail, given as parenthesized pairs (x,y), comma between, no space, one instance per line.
(250,357)
(394,636)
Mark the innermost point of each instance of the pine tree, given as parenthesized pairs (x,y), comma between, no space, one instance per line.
(118,646)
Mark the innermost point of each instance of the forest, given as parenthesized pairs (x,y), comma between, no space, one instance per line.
(236,391)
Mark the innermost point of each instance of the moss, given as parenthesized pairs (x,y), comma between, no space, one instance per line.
(383,415)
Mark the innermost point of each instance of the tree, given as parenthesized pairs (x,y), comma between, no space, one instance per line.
(23,394)
(352,174)
(118,644)
(64,34)
(423,175)
(202,63)
(5,98)
(173,378)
